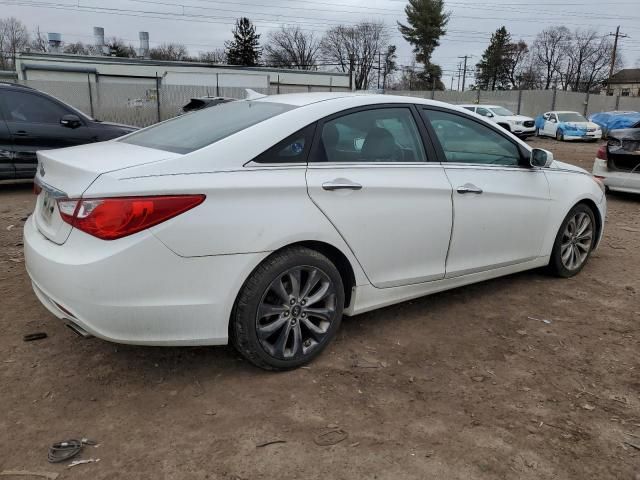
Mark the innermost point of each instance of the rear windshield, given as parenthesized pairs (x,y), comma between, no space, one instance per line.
(196,130)
(571,117)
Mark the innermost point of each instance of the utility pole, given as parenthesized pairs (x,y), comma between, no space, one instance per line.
(464,71)
(613,55)
(352,61)
(459,70)
(378,69)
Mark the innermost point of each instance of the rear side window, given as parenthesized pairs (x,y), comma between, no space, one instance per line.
(204,127)
(293,149)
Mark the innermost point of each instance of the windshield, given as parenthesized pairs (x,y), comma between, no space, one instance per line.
(571,117)
(197,130)
(503,112)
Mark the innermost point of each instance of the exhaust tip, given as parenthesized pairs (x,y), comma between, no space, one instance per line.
(78,330)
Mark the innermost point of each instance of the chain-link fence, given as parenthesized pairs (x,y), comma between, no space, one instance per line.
(142,102)
(531,102)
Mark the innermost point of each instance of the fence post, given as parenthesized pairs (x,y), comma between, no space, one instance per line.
(553,99)
(586,104)
(90,96)
(158,95)
(519,100)
(331,83)
(217,86)
(617,102)
(478,96)
(278,85)
(433,88)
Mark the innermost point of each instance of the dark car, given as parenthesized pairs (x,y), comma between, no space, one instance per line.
(31,120)
(203,102)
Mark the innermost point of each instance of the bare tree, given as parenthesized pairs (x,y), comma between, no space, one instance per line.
(516,59)
(169,51)
(290,47)
(549,51)
(355,47)
(213,56)
(39,42)
(14,38)
(77,48)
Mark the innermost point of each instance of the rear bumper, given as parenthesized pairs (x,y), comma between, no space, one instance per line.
(617,180)
(135,290)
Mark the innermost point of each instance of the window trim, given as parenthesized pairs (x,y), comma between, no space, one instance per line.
(4,109)
(524,154)
(429,151)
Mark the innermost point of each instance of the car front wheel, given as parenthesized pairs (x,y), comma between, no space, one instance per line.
(288,310)
(559,136)
(574,242)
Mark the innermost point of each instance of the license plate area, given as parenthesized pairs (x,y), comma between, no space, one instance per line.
(47,206)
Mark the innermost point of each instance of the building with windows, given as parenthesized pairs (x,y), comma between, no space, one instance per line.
(625,83)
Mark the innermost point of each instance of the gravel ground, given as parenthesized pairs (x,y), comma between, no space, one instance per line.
(469,383)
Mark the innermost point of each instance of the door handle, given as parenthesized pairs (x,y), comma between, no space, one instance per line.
(21,133)
(341,185)
(469,188)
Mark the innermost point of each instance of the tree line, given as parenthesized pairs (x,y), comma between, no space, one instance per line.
(576,60)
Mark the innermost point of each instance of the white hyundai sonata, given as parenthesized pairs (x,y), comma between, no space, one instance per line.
(262,222)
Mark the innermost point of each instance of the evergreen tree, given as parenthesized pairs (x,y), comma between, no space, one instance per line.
(244,49)
(426,24)
(492,71)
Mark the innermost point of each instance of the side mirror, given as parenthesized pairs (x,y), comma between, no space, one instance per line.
(70,121)
(541,158)
(358,143)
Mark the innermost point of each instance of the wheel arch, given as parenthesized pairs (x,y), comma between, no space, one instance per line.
(596,214)
(504,125)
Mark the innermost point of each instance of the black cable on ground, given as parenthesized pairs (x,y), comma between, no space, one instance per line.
(62,451)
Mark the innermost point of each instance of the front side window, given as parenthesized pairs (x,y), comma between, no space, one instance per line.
(464,140)
(31,108)
(376,135)
(191,132)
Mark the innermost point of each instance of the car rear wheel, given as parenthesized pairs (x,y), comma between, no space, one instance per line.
(574,242)
(288,310)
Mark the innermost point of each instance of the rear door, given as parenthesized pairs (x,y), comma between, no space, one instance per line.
(372,177)
(500,205)
(7,170)
(34,124)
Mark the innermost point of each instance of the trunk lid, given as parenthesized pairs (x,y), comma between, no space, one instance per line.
(68,172)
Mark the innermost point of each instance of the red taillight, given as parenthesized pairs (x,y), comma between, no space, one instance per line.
(602,152)
(112,218)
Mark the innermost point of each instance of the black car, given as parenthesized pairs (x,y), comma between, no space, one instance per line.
(31,120)
(203,102)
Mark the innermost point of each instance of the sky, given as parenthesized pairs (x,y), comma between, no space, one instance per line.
(205,24)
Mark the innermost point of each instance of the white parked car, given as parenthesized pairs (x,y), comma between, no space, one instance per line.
(262,222)
(567,126)
(519,125)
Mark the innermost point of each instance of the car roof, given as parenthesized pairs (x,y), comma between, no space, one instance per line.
(564,111)
(14,85)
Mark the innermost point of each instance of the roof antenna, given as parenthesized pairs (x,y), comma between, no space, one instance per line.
(253,95)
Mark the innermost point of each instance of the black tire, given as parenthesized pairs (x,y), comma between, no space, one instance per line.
(245,319)
(505,126)
(559,135)
(556,264)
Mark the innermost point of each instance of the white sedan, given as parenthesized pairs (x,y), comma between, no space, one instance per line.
(261,222)
(567,126)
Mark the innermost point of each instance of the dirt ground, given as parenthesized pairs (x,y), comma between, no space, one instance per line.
(466,384)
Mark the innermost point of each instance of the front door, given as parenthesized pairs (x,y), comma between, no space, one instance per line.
(551,125)
(34,124)
(372,178)
(500,204)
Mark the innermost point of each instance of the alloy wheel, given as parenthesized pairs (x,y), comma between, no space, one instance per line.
(576,242)
(295,313)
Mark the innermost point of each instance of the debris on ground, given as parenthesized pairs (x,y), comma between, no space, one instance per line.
(34,336)
(28,473)
(270,442)
(543,320)
(63,451)
(75,463)
(330,436)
